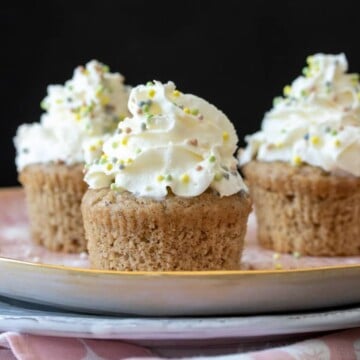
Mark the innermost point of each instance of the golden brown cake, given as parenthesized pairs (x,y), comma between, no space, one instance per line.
(303,166)
(53,195)
(304,209)
(166,193)
(126,232)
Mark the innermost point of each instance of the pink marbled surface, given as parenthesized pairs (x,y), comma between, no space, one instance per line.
(15,243)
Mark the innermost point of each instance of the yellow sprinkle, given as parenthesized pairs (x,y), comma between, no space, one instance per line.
(287,90)
(129,161)
(358,95)
(104,100)
(104,157)
(100,143)
(151,93)
(187,110)
(337,142)
(297,160)
(122,162)
(124,141)
(225,135)
(109,167)
(176,93)
(92,148)
(276,256)
(315,140)
(278,266)
(77,117)
(114,145)
(310,59)
(185,178)
(160,178)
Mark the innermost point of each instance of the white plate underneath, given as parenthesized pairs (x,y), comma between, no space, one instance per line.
(36,319)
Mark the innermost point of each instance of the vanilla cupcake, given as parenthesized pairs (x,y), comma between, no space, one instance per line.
(303,167)
(50,154)
(166,193)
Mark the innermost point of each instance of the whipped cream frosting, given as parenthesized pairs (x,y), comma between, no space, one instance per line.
(78,115)
(172,141)
(316,122)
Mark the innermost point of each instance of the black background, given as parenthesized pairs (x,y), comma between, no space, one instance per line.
(238,55)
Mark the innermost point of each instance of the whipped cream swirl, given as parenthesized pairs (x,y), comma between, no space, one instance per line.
(173,141)
(78,114)
(316,122)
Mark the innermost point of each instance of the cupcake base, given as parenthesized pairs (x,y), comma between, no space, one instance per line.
(53,195)
(304,209)
(125,232)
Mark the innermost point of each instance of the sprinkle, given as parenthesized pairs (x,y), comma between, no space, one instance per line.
(105,69)
(129,161)
(355,79)
(119,131)
(160,178)
(139,111)
(306,72)
(151,93)
(310,59)
(304,93)
(149,83)
(287,90)
(334,132)
(225,135)
(187,110)
(25,150)
(128,130)
(114,145)
(124,141)
(276,256)
(315,140)
(337,143)
(194,112)
(77,117)
(121,166)
(185,178)
(148,188)
(296,255)
(199,168)
(277,100)
(143,126)
(297,160)
(192,142)
(92,148)
(138,151)
(168,177)
(212,158)
(104,100)
(100,89)
(201,117)
(218,176)
(278,266)
(226,176)
(306,137)
(113,186)
(176,93)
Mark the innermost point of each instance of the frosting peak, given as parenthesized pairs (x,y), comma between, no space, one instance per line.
(77,114)
(317,121)
(172,141)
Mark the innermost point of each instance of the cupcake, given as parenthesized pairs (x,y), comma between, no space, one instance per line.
(303,167)
(166,194)
(50,154)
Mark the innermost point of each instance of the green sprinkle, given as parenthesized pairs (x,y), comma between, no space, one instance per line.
(149,83)
(212,158)
(218,176)
(43,105)
(194,111)
(114,145)
(334,132)
(277,100)
(168,178)
(304,93)
(138,151)
(113,186)
(306,71)
(106,68)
